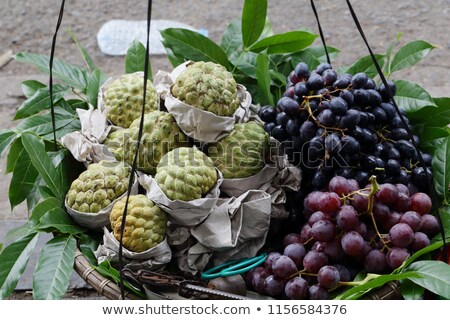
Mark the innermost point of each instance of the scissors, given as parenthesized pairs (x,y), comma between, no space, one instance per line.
(234,267)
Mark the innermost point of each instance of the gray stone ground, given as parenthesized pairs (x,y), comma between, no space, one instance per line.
(28,26)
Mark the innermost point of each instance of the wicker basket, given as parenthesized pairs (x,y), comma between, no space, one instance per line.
(111,290)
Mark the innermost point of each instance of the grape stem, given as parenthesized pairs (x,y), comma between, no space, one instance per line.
(373,190)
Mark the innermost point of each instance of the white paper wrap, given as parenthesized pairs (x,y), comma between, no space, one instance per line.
(184,213)
(86,146)
(236,228)
(201,125)
(96,221)
(152,259)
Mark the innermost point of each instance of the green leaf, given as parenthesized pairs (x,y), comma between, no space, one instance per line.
(17,233)
(389,54)
(232,38)
(441,168)
(42,208)
(42,124)
(246,62)
(13,260)
(40,101)
(54,268)
(410,290)
(418,254)
(74,125)
(435,276)
(410,54)
(292,41)
(96,80)
(86,57)
(14,152)
(43,164)
(135,59)
(374,281)
(88,245)
(23,179)
(438,116)
(263,77)
(313,56)
(6,138)
(174,59)
(57,219)
(105,269)
(71,75)
(432,133)
(444,214)
(365,64)
(411,96)
(192,45)
(77,104)
(29,87)
(253,20)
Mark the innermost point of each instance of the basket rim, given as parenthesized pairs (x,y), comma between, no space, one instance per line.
(100,283)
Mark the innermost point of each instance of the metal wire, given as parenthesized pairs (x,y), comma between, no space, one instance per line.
(133,167)
(52,54)
(322,37)
(410,134)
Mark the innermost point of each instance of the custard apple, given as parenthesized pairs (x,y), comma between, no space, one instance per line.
(123,99)
(160,135)
(207,86)
(242,153)
(98,186)
(145,225)
(186,174)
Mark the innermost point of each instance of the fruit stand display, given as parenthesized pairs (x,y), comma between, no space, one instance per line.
(319,183)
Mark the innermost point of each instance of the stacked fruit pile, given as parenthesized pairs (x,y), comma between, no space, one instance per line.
(348,229)
(343,125)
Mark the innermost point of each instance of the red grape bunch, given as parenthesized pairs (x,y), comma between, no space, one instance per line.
(348,229)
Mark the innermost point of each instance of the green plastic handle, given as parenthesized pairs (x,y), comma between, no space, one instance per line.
(234,267)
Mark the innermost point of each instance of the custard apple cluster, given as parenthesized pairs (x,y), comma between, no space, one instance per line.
(161,134)
(242,153)
(145,224)
(123,99)
(98,186)
(186,174)
(207,86)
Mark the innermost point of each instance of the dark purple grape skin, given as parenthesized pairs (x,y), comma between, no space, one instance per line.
(296,252)
(271,257)
(401,235)
(347,218)
(328,277)
(316,292)
(353,244)
(274,286)
(420,241)
(267,113)
(296,289)
(396,256)
(283,267)
(375,261)
(344,273)
(314,260)
(323,230)
(412,219)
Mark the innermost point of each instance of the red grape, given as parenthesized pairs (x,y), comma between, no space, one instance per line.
(291,238)
(339,185)
(318,293)
(388,193)
(401,235)
(353,243)
(430,225)
(296,252)
(396,256)
(296,289)
(329,203)
(311,202)
(316,216)
(328,277)
(323,230)
(375,261)
(361,201)
(314,260)
(273,285)
(420,241)
(271,257)
(412,219)
(347,218)
(283,267)
(305,233)
(421,203)
(403,203)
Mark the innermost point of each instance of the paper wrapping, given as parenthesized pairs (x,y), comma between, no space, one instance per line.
(152,259)
(236,228)
(183,213)
(86,146)
(96,221)
(201,125)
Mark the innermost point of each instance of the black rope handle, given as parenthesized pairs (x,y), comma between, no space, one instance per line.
(133,167)
(410,134)
(322,37)
(50,66)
